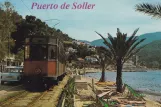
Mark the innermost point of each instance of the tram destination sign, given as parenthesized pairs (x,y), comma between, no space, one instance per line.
(39,40)
(43,41)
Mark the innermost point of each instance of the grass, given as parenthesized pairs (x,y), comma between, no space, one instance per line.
(69,93)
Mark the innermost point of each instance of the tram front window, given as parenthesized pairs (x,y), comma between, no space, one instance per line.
(38,52)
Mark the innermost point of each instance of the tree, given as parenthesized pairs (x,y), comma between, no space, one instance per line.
(20,55)
(153,10)
(104,58)
(8,18)
(32,26)
(3,50)
(122,48)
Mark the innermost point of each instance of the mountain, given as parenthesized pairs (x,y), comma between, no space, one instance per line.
(150,55)
(85,41)
(150,37)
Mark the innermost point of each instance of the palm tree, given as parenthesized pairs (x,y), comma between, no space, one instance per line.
(104,58)
(153,10)
(122,48)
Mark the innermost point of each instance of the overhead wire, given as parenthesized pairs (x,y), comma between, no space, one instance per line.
(26,7)
(48,14)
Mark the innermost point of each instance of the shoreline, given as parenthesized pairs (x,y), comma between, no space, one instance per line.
(94,70)
(149,94)
(152,100)
(98,70)
(154,96)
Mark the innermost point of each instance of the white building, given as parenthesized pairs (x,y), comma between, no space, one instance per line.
(70,49)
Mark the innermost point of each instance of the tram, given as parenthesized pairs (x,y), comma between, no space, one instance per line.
(44,61)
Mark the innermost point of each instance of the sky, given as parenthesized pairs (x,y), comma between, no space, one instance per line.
(105,17)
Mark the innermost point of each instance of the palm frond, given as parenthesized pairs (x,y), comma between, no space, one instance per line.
(104,55)
(107,43)
(135,31)
(112,40)
(153,10)
(120,46)
(134,47)
(133,53)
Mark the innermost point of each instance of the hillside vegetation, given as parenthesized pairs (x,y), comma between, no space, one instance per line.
(14,29)
(150,55)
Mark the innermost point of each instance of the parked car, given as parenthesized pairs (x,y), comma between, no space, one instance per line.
(12,74)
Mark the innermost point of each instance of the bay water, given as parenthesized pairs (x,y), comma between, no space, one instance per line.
(149,81)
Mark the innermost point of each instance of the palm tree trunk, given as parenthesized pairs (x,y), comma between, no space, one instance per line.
(119,75)
(102,79)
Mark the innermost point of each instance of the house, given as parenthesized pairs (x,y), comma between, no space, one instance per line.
(70,49)
(76,42)
(92,49)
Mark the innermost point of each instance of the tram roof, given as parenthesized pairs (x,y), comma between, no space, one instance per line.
(47,41)
(53,37)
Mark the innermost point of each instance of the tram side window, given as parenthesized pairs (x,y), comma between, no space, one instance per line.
(61,53)
(52,53)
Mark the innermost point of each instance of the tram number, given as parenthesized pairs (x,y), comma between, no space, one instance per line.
(38,71)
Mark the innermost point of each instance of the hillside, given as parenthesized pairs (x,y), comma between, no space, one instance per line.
(151,55)
(150,37)
(85,41)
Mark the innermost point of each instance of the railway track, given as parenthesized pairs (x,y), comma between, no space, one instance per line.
(24,99)
(7,88)
(9,100)
(38,98)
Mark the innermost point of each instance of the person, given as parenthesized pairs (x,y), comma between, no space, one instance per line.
(84,71)
(76,70)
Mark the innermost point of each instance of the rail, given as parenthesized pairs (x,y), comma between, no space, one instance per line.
(13,98)
(37,99)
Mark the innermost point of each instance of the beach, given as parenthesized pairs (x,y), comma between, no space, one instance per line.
(150,99)
(147,83)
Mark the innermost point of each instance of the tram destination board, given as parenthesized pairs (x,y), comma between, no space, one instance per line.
(41,40)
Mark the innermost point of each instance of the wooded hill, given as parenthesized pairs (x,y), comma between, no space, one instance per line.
(14,29)
(150,55)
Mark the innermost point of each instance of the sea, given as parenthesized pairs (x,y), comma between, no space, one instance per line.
(149,81)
